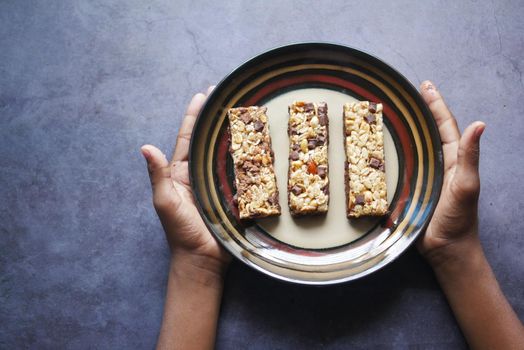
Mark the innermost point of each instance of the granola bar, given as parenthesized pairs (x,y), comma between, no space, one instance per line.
(308,182)
(255,182)
(365,172)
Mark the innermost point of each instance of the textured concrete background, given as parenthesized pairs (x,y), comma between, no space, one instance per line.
(84,83)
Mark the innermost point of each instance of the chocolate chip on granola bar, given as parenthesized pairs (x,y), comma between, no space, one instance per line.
(322,115)
(294,155)
(372,107)
(250,167)
(258,126)
(308,107)
(322,171)
(296,190)
(375,163)
(370,118)
(273,199)
(311,143)
(322,119)
(245,117)
(240,190)
(360,199)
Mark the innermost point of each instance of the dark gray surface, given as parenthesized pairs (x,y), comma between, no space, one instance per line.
(84,83)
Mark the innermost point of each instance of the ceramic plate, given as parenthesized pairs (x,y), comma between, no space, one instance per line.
(322,249)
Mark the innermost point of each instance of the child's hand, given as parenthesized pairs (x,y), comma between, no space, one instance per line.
(189,239)
(454,223)
(451,243)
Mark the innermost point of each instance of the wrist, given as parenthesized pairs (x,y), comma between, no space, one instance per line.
(196,269)
(458,255)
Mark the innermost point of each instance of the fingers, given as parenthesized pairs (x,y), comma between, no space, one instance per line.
(184,134)
(467,181)
(465,186)
(210,90)
(165,197)
(196,104)
(446,123)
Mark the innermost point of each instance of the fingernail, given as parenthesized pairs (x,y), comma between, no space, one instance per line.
(429,87)
(146,153)
(480,130)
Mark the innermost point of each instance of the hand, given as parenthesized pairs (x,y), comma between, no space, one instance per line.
(189,239)
(455,221)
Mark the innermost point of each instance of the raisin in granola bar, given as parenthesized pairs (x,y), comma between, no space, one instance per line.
(365,172)
(308,183)
(255,182)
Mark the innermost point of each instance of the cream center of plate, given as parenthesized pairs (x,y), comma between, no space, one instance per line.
(333,229)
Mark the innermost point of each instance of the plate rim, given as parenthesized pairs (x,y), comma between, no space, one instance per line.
(432,129)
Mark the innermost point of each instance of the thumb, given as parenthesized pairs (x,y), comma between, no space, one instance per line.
(165,198)
(466,179)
